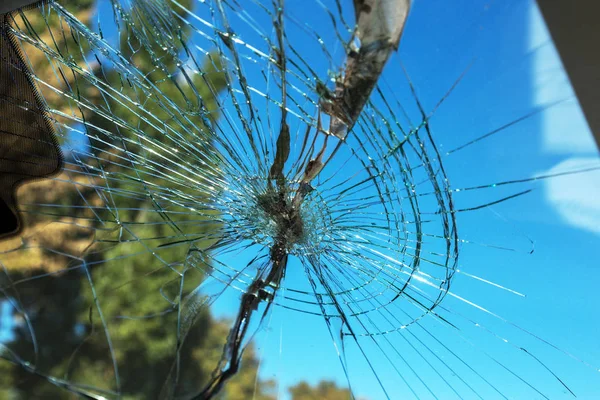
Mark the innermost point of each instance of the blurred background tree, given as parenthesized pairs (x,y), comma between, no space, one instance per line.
(324,390)
(127,278)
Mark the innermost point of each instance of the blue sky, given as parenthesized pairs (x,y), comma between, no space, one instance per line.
(514,70)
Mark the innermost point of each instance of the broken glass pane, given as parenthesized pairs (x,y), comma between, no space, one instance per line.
(237,216)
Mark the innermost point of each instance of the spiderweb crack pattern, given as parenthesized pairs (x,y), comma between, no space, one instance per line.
(205,165)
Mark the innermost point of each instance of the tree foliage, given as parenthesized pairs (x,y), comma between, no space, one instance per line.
(127,279)
(324,390)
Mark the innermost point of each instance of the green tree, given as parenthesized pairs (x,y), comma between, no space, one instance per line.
(324,390)
(128,279)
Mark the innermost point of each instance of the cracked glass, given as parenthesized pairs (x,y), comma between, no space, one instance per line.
(300,200)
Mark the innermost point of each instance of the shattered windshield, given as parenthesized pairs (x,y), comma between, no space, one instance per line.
(299,200)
